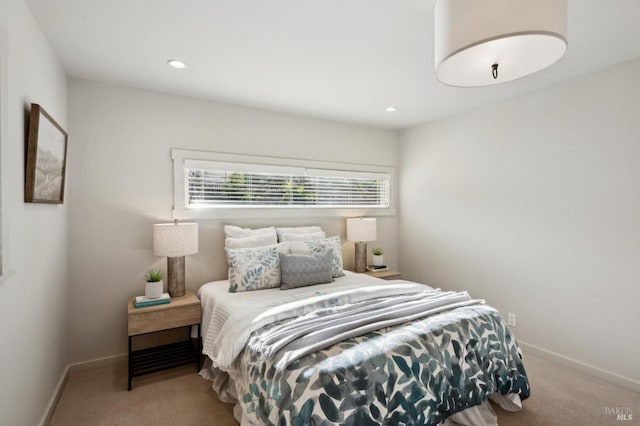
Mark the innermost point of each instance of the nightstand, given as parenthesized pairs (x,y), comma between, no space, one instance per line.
(387,274)
(180,312)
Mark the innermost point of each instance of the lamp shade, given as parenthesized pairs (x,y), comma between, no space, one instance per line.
(361,229)
(480,43)
(175,239)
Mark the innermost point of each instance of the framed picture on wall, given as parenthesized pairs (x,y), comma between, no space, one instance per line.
(46,159)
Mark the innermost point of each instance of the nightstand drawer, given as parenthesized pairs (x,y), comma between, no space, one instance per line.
(148,322)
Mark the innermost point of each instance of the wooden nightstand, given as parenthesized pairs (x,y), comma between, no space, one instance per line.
(388,274)
(180,312)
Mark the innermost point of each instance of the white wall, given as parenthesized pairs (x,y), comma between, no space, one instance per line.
(33,291)
(534,204)
(122,182)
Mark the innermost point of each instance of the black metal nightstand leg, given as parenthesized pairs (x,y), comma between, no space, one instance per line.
(199,349)
(130,364)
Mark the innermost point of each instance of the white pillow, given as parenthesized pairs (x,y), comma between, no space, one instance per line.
(231,231)
(259,240)
(316,246)
(302,236)
(298,247)
(297,230)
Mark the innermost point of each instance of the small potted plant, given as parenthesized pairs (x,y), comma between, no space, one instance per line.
(378,259)
(154,286)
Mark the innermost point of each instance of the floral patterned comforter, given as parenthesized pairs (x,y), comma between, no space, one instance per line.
(415,373)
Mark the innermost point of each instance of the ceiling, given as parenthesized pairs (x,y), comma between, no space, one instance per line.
(344,60)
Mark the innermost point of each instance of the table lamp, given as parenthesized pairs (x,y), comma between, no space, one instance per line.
(175,240)
(361,230)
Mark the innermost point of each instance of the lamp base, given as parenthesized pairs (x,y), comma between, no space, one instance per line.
(175,276)
(361,256)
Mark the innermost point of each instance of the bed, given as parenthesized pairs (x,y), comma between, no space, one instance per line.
(359,351)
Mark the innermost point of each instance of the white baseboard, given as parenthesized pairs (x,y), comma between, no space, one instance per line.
(106,361)
(608,376)
(48,412)
(74,368)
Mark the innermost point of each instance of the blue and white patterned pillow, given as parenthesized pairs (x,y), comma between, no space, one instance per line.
(316,246)
(253,268)
(300,270)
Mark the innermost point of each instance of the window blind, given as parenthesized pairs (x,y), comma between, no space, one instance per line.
(213,184)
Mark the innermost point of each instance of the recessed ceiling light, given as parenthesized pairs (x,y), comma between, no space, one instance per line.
(391,109)
(176,64)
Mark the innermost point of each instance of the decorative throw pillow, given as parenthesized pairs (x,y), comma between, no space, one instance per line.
(253,268)
(259,240)
(296,230)
(300,270)
(302,236)
(316,246)
(231,231)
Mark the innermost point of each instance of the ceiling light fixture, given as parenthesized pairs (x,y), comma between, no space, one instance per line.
(481,43)
(390,109)
(175,63)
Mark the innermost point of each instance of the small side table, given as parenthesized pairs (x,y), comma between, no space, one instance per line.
(180,312)
(387,274)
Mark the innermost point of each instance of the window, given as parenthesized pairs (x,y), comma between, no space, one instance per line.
(214,184)
(226,185)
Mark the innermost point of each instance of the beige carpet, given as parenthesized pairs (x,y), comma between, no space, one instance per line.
(560,396)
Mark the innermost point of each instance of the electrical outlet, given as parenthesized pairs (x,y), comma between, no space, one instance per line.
(511,319)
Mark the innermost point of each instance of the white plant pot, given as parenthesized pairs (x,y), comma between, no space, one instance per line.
(378,260)
(153,290)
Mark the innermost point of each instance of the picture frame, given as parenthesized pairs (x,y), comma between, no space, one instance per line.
(46,159)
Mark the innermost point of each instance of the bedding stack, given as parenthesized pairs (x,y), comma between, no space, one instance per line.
(339,348)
